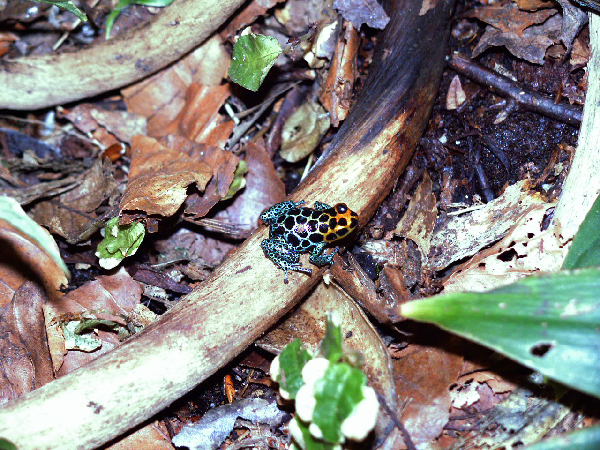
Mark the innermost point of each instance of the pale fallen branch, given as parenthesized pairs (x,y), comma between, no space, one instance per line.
(36,82)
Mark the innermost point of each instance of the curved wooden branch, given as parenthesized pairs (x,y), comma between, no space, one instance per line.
(39,81)
(246,294)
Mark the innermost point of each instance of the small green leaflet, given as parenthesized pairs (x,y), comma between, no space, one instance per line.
(119,242)
(291,362)
(337,394)
(585,249)
(69,6)
(253,57)
(548,323)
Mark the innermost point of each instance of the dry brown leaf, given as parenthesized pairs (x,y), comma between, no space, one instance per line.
(423,377)
(530,46)
(509,18)
(23,259)
(456,95)
(161,97)
(123,125)
(369,12)
(223,165)
(263,188)
(247,15)
(200,114)
(464,235)
(73,212)
(25,364)
(524,251)
(419,219)
(150,437)
(159,178)
(110,296)
(303,131)
(336,92)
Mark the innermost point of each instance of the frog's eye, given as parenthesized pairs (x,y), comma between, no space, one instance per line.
(341,208)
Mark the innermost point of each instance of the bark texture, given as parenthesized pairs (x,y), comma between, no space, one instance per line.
(40,81)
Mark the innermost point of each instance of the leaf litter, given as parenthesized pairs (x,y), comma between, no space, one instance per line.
(179,166)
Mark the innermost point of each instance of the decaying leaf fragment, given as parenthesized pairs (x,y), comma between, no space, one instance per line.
(159,178)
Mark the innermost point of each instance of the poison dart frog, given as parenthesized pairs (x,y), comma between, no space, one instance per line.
(296,229)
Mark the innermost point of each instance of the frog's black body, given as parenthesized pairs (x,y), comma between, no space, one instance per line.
(295,229)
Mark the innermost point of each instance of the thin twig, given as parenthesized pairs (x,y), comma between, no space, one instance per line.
(525,97)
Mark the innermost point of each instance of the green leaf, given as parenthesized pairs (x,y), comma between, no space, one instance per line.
(5,444)
(585,249)
(292,360)
(253,57)
(586,439)
(68,5)
(331,345)
(119,242)
(337,394)
(11,212)
(110,20)
(549,323)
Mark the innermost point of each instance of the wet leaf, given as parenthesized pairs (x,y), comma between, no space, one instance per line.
(253,57)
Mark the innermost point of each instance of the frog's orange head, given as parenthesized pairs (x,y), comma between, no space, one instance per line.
(343,222)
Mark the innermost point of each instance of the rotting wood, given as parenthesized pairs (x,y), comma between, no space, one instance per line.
(246,295)
(36,82)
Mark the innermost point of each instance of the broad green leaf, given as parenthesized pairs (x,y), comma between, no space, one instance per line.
(549,323)
(253,57)
(68,5)
(331,345)
(586,439)
(337,394)
(110,20)
(11,212)
(119,242)
(585,249)
(292,360)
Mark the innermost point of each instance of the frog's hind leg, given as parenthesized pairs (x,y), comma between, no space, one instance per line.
(284,256)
